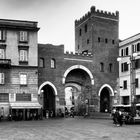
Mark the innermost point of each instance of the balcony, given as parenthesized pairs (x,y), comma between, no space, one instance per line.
(5,63)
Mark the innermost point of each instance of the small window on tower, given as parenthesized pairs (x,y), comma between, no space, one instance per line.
(113,41)
(78,47)
(99,39)
(80,32)
(110,67)
(106,40)
(53,63)
(85,28)
(101,67)
(87,41)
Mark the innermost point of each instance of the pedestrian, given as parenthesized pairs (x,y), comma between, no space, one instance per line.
(47,114)
(116,117)
(120,118)
(113,115)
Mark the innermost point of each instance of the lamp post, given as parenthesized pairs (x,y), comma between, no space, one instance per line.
(132,81)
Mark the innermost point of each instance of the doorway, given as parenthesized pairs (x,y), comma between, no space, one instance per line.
(105,100)
(48,101)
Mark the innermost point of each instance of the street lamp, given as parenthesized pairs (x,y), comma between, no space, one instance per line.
(132,81)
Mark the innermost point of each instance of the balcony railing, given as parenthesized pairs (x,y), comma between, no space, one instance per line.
(5,62)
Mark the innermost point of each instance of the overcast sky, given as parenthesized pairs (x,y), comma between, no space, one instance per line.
(56,17)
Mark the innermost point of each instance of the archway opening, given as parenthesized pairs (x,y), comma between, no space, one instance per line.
(48,101)
(77,90)
(105,100)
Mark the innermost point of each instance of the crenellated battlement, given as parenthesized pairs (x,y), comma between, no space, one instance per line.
(96,12)
(78,54)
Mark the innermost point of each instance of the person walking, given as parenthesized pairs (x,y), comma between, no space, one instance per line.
(116,117)
(120,118)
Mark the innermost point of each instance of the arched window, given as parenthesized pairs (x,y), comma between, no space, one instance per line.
(80,32)
(101,66)
(110,67)
(41,63)
(85,28)
(53,63)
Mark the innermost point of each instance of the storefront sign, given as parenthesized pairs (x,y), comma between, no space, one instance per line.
(23,97)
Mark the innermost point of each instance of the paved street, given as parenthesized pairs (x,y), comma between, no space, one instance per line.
(68,129)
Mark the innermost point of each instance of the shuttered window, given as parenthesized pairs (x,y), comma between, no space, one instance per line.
(23,55)
(23,36)
(2,54)
(23,79)
(2,78)
(2,35)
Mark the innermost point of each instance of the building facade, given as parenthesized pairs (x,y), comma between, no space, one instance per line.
(91,72)
(18,67)
(129,70)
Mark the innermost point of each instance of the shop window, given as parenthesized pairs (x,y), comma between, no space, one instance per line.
(4,97)
(125,100)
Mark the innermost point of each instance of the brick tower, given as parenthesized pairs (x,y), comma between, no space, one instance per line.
(97,33)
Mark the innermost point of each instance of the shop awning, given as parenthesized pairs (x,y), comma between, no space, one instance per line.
(118,105)
(25,105)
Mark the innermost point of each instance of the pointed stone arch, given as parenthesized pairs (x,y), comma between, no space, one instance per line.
(78,67)
(109,87)
(47,83)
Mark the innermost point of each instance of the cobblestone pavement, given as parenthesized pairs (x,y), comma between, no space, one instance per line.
(68,129)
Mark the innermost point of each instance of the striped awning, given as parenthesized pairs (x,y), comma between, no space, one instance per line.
(25,105)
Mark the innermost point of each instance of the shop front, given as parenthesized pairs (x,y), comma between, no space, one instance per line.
(24,107)
(25,111)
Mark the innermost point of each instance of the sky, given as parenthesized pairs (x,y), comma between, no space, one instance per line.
(56,17)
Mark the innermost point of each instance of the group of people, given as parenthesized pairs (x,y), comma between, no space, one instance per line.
(69,113)
(117,117)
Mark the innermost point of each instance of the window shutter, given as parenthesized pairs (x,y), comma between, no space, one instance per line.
(21,35)
(25,55)
(23,79)
(0,34)
(2,54)
(3,35)
(21,55)
(1,78)
(25,36)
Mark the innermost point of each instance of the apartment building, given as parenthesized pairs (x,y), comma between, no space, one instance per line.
(18,68)
(129,70)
